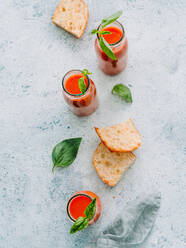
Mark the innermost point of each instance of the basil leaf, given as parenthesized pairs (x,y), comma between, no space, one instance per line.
(90,209)
(104,32)
(82,85)
(106,48)
(65,152)
(81,223)
(86,72)
(123,91)
(111,19)
(95,31)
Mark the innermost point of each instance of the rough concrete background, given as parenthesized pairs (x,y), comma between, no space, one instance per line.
(35,54)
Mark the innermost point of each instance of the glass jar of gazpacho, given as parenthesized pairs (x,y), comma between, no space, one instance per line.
(119,45)
(80,104)
(79,201)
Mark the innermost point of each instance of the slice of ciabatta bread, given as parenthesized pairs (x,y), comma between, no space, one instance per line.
(121,137)
(72,15)
(110,166)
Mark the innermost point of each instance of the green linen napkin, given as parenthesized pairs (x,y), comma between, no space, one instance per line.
(133,225)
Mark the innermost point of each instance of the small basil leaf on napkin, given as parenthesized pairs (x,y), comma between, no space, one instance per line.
(82,86)
(81,223)
(111,19)
(65,152)
(123,91)
(106,48)
(90,210)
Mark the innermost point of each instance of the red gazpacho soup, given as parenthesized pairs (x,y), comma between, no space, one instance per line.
(119,44)
(71,84)
(80,104)
(79,202)
(114,36)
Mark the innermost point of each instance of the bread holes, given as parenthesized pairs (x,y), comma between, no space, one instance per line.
(63,9)
(107,163)
(114,164)
(102,155)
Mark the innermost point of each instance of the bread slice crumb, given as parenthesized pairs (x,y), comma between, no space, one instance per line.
(110,166)
(72,16)
(121,137)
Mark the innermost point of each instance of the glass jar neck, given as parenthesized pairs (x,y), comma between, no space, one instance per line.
(71,73)
(117,25)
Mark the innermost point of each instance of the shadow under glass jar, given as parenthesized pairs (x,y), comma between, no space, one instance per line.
(120,49)
(80,104)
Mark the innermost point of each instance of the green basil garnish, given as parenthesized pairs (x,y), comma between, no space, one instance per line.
(91,209)
(82,86)
(95,31)
(82,222)
(86,72)
(123,91)
(65,152)
(81,81)
(110,19)
(106,48)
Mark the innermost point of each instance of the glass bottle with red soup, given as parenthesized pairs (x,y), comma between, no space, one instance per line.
(79,92)
(83,208)
(111,45)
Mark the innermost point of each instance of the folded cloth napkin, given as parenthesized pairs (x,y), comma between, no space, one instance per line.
(132,226)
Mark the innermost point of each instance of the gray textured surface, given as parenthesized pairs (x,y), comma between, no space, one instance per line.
(33,118)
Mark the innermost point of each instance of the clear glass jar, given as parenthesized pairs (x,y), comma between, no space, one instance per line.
(80,206)
(81,104)
(120,49)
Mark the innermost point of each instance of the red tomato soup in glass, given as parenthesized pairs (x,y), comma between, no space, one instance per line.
(119,44)
(80,104)
(79,201)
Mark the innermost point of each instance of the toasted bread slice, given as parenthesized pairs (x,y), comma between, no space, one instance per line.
(121,137)
(110,166)
(72,15)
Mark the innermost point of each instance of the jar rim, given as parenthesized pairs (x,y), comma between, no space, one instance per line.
(63,83)
(123,33)
(69,201)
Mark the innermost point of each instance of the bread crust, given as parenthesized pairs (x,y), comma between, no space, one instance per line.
(57,18)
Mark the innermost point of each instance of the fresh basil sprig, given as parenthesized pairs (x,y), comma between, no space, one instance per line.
(103,44)
(111,19)
(82,86)
(123,91)
(65,152)
(95,31)
(106,48)
(86,72)
(81,81)
(82,222)
(90,210)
